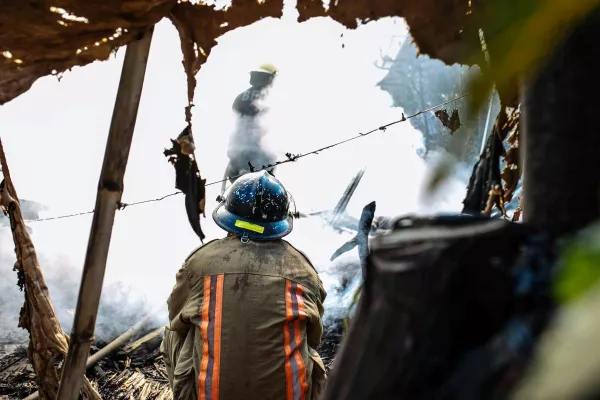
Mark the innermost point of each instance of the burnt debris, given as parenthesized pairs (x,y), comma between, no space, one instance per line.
(485,190)
(451,122)
(365,225)
(188,178)
(135,371)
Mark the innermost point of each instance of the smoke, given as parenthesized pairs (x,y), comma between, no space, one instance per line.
(119,305)
(248,143)
(325,92)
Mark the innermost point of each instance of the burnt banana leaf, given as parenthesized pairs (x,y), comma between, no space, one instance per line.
(188,179)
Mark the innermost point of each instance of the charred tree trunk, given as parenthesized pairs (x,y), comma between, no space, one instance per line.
(561,138)
(443,312)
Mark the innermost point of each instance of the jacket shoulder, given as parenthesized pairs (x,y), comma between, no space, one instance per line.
(303,254)
(197,249)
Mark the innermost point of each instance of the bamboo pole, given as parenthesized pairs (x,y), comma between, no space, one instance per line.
(110,189)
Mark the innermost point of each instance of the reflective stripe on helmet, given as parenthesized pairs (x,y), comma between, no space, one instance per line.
(249,226)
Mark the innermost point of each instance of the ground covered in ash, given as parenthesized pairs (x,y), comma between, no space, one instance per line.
(136,371)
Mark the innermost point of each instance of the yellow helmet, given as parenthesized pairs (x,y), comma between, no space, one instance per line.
(267,68)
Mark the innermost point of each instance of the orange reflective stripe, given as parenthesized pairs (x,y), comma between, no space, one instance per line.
(217,337)
(210,327)
(301,366)
(295,369)
(204,333)
(287,340)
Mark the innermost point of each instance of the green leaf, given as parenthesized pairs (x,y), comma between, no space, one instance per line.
(580,266)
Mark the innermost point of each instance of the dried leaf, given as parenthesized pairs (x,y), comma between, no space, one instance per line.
(53,43)
(517,214)
(48,343)
(441,29)
(512,170)
(451,122)
(55,40)
(494,199)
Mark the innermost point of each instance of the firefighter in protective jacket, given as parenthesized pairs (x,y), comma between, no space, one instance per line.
(246,310)
(247,103)
(246,143)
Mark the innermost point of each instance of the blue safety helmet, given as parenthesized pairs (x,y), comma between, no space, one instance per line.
(257,207)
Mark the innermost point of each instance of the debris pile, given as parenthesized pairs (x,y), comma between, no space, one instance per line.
(17,378)
(330,342)
(136,371)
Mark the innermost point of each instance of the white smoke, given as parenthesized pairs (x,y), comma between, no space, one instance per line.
(325,92)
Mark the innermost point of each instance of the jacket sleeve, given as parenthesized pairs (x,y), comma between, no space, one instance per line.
(179,297)
(177,346)
(314,310)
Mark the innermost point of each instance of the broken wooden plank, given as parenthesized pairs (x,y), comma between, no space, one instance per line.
(146,338)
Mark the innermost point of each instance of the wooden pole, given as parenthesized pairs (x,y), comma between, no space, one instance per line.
(110,189)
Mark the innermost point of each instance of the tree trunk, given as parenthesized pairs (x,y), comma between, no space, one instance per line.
(561,139)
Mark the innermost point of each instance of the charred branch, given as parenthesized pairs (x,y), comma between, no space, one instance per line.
(365,225)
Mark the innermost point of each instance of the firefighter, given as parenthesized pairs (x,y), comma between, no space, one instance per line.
(247,103)
(246,310)
(245,145)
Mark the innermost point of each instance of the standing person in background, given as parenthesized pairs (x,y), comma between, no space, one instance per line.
(246,310)
(245,144)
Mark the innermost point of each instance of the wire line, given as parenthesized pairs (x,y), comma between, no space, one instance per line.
(290,158)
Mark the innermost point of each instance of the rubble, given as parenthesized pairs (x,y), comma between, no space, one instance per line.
(138,374)
(137,371)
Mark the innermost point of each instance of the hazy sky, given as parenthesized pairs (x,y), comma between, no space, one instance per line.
(55,135)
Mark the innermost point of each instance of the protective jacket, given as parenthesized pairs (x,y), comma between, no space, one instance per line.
(245,319)
(246,102)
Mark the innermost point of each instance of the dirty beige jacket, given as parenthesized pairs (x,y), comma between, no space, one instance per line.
(244,322)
